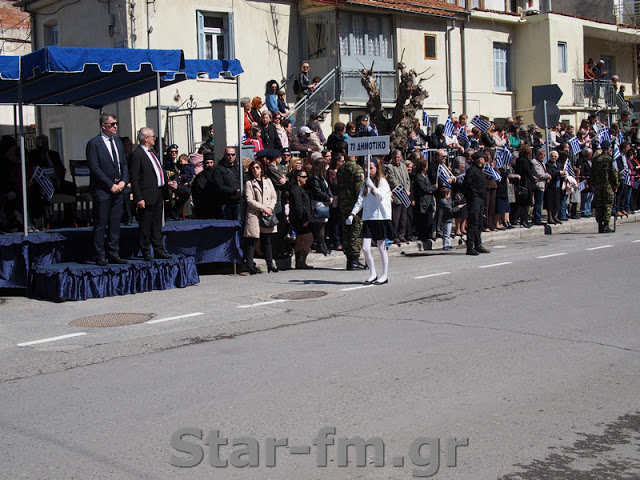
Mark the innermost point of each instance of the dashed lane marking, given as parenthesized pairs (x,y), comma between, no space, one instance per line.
(495,265)
(160,320)
(432,275)
(552,255)
(356,288)
(51,339)
(598,248)
(262,303)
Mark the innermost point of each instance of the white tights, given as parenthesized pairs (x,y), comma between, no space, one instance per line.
(382,248)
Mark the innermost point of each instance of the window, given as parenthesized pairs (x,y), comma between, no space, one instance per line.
(501,67)
(562,57)
(51,35)
(365,36)
(215,35)
(429,46)
(316,34)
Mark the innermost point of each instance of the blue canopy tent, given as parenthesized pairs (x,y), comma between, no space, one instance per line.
(95,77)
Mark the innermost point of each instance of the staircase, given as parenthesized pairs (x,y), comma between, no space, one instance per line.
(319,101)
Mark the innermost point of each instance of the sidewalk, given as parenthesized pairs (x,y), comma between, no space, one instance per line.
(504,236)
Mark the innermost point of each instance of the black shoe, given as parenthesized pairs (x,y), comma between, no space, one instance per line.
(606,229)
(481,249)
(101,262)
(272,268)
(117,261)
(378,282)
(600,227)
(472,251)
(354,264)
(147,257)
(369,282)
(537,222)
(525,224)
(162,256)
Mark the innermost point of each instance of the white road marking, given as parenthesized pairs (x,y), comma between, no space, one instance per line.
(552,255)
(159,320)
(432,275)
(499,246)
(51,339)
(635,241)
(598,248)
(262,303)
(495,265)
(356,288)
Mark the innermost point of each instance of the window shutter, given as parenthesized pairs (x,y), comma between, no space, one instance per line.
(201,52)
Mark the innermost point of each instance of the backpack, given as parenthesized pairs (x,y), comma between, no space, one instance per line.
(296,86)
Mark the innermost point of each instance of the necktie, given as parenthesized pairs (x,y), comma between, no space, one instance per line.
(114,154)
(155,159)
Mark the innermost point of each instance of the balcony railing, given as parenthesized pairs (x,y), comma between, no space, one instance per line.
(627,13)
(594,94)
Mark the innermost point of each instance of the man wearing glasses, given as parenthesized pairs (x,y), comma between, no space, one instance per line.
(227,181)
(108,176)
(150,187)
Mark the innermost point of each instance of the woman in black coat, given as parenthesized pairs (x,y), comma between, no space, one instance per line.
(520,209)
(300,219)
(554,189)
(436,139)
(269,136)
(423,191)
(321,195)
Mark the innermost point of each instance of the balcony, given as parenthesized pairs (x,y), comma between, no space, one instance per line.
(597,94)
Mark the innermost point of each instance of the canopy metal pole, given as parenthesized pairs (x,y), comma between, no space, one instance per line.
(159,134)
(240,130)
(23,159)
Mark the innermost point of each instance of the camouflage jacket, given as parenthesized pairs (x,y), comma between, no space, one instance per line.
(350,181)
(603,175)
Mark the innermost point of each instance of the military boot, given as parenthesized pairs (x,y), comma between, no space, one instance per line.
(600,227)
(353,263)
(605,228)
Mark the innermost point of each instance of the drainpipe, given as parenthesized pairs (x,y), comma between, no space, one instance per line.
(449,92)
(463,66)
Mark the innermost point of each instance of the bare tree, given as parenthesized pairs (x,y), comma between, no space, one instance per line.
(410,98)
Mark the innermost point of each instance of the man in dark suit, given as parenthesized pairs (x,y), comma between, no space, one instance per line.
(150,187)
(109,174)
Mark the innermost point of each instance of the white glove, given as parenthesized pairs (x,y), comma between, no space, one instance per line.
(370,184)
(349,220)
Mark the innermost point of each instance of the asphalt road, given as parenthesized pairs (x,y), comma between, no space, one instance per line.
(527,358)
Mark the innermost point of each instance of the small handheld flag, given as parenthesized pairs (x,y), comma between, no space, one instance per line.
(604,134)
(568,168)
(581,186)
(481,123)
(462,133)
(503,157)
(443,176)
(575,145)
(425,118)
(625,177)
(448,127)
(44,182)
(402,195)
(490,172)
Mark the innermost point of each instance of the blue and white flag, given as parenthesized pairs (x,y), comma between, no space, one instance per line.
(448,128)
(625,177)
(490,172)
(575,145)
(462,133)
(443,176)
(603,134)
(616,154)
(581,186)
(44,182)
(503,157)
(620,137)
(481,123)
(402,195)
(425,118)
(568,168)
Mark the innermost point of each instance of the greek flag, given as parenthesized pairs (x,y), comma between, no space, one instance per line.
(625,177)
(604,134)
(448,128)
(575,145)
(581,186)
(443,176)
(490,172)
(568,168)
(402,195)
(425,118)
(481,123)
(503,157)
(616,154)
(462,133)
(44,182)
(620,137)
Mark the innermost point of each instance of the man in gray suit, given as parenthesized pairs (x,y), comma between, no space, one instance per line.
(109,175)
(399,175)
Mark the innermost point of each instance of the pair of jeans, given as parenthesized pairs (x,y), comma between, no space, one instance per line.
(586,198)
(446,233)
(538,196)
(627,199)
(562,215)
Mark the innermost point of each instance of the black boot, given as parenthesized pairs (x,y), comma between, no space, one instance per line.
(354,264)
(600,227)
(605,228)
(303,261)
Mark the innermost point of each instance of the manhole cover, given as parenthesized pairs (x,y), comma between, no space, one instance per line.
(299,295)
(112,320)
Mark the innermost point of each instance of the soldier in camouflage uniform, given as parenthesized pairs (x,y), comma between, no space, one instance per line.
(350,181)
(604,179)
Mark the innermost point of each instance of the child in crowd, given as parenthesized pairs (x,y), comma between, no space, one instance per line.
(446,207)
(187,172)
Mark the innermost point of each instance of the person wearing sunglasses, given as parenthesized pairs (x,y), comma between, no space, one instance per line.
(109,174)
(300,216)
(227,181)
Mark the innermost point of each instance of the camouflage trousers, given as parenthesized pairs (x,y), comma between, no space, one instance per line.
(351,235)
(604,203)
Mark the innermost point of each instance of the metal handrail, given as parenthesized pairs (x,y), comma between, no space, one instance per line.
(319,100)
